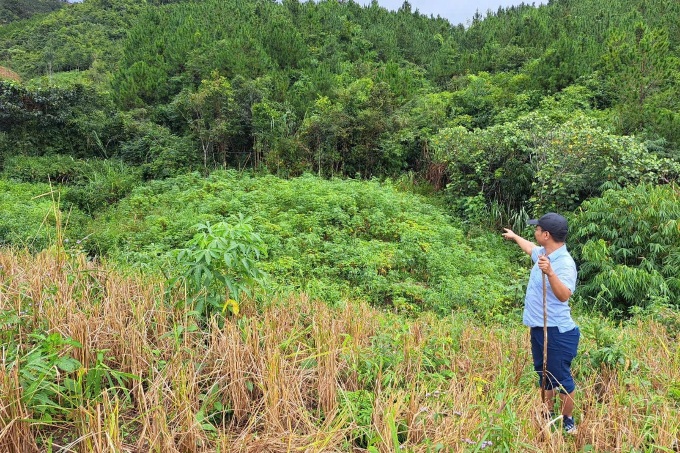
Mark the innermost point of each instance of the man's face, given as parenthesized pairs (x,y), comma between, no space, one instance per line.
(541,236)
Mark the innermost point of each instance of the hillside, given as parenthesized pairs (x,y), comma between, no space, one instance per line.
(13,10)
(527,110)
(333,87)
(266,226)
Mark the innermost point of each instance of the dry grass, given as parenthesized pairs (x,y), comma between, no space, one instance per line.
(8,74)
(276,378)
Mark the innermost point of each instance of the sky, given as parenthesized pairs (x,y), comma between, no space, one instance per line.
(456,11)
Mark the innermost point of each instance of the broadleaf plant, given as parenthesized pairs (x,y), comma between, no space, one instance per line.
(220,264)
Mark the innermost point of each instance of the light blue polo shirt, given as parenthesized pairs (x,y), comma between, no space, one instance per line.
(559,313)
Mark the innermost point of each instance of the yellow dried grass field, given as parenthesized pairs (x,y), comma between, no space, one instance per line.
(278,378)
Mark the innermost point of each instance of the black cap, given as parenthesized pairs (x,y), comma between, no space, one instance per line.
(553,223)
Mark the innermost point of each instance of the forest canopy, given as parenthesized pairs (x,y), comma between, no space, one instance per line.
(527,109)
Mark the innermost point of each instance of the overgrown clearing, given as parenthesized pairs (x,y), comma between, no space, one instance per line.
(97,361)
(233,225)
(332,239)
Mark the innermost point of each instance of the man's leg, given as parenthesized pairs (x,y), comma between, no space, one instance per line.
(567,400)
(550,401)
(537,355)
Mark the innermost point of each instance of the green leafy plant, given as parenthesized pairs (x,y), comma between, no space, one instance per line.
(30,214)
(54,382)
(58,169)
(358,406)
(105,184)
(334,240)
(674,391)
(158,151)
(39,371)
(86,384)
(627,244)
(608,352)
(221,264)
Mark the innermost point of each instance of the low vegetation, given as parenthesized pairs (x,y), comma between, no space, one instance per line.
(275,226)
(96,361)
(332,239)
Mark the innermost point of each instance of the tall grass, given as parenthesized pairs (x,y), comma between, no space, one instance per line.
(296,375)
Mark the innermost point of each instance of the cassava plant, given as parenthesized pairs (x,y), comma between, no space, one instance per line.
(220,263)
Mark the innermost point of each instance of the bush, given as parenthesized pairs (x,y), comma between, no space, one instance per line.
(58,169)
(220,263)
(50,119)
(28,217)
(94,184)
(627,243)
(550,159)
(333,239)
(103,186)
(160,153)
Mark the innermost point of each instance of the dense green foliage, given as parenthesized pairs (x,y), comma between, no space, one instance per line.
(333,239)
(52,120)
(223,186)
(82,36)
(628,244)
(551,159)
(220,264)
(525,110)
(92,185)
(30,219)
(340,89)
(11,10)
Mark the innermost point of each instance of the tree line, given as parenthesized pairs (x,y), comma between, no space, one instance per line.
(521,110)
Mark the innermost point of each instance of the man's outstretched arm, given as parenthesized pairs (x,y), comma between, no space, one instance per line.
(524,244)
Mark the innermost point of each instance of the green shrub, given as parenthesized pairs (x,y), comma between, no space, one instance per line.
(103,186)
(49,119)
(40,370)
(333,239)
(28,217)
(580,160)
(160,153)
(58,169)
(627,244)
(54,383)
(660,312)
(609,352)
(93,184)
(550,159)
(357,406)
(220,263)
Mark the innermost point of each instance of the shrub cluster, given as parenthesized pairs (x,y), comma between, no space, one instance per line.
(627,243)
(90,185)
(334,239)
(30,217)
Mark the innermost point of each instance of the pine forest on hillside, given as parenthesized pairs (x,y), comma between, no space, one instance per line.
(251,225)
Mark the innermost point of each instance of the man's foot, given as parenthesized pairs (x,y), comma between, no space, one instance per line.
(569,425)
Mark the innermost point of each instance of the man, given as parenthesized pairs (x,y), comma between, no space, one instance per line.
(552,259)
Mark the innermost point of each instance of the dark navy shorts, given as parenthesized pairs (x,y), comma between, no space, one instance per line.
(562,349)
